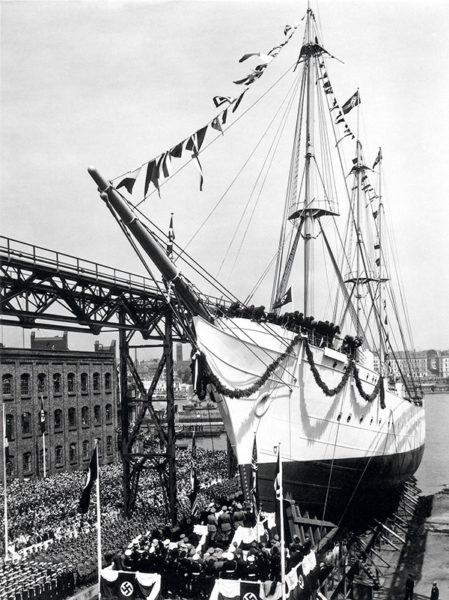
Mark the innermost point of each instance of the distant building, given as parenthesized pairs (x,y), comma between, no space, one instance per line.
(79,394)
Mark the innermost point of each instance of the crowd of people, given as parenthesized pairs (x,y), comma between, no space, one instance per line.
(320,333)
(190,558)
(52,544)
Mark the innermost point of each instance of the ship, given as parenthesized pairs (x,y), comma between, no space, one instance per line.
(311,374)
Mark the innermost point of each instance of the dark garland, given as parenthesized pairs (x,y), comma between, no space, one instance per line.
(208,377)
(378,389)
(246,392)
(349,368)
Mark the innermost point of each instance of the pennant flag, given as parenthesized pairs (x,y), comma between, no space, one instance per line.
(254,487)
(151,177)
(239,99)
(251,78)
(354,100)
(378,158)
(265,58)
(217,125)
(164,166)
(42,415)
(375,214)
(274,51)
(129,181)
(5,442)
(224,116)
(194,483)
(335,105)
(286,298)
(196,140)
(219,100)
(171,237)
(277,479)
(191,144)
(92,475)
(176,151)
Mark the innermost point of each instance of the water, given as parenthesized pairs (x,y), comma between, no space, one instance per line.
(433,473)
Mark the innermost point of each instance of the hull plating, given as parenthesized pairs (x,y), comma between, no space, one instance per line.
(323,438)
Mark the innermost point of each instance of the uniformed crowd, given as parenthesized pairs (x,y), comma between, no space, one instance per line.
(190,558)
(45,511)
(319,332)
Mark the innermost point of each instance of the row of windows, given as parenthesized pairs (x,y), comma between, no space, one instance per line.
(25,383)
(26,419)
(86,450)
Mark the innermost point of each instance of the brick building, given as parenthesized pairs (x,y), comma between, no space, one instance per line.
(79,394)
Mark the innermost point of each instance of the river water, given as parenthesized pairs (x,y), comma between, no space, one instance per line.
(433,473)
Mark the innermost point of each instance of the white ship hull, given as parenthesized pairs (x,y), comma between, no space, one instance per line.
(328,444)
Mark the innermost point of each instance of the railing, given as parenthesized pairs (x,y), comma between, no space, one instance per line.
(69,264)
(59,261)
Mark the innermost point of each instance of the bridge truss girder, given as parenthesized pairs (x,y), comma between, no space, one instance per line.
(33,295)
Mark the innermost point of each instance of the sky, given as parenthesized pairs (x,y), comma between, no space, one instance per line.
(115,83)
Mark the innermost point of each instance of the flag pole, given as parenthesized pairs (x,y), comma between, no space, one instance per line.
(281,519)
(99,561)
(43,427)
(5,505)
(43,452)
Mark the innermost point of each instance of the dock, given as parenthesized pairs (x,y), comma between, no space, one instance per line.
(424,555)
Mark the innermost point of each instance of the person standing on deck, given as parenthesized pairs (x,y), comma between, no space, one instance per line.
(409,585)
(435,593)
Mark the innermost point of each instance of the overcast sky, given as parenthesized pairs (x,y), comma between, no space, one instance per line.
(116,83)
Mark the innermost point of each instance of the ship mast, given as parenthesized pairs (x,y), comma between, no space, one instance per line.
(308,217)
(304,206)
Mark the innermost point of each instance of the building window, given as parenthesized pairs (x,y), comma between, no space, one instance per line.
(108,413)
(84,383)
(109,444)
(71,383)
(7,384)
(57,383)
(72,453)
(96,382)
(86,449)
(58,419)
(107,382)
(26,423)
(85,416)
(97,414)
(72,417)
(59,456)
(25,384)
(27,463)
(41,383)
(10,427)
(100,451)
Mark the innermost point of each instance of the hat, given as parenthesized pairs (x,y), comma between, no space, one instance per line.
(128,552)
(251,558)
(196,557)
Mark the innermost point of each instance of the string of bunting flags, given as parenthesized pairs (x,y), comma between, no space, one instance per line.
(160,168)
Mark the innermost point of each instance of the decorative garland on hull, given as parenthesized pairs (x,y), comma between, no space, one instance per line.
(206,376)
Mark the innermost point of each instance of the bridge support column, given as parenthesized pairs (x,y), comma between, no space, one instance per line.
(124,415)
(171,457)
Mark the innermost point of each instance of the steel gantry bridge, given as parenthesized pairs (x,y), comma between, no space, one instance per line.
(42,288)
